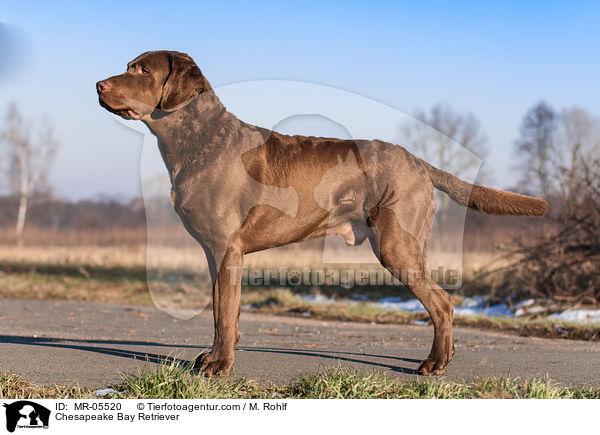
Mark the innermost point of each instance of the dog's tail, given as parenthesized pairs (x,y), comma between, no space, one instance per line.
(486,199)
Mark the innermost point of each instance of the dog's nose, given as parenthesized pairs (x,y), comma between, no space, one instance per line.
(102,86)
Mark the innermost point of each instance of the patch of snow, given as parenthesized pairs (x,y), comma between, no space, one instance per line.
(473,301)
(105,392)
(532,310)
(318,298)
(525,303)
(578,316)
(472,306)
(391,299)
(484,310)
(322,299)
(411,305)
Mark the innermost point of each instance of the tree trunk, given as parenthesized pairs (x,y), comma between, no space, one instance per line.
(21,215)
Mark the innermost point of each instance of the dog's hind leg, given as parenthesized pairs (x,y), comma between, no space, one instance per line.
(400,253)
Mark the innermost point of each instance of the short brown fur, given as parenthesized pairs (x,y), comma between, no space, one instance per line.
(239,188)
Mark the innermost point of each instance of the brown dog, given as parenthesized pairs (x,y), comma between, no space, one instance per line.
(240,189)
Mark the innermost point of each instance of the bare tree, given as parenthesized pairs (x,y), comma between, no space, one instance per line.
(28,161)
(535,148)
(434,137)
(563,261)
(562,264)
(578,144)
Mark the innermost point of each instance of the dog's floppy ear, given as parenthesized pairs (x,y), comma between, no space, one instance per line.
(184,82)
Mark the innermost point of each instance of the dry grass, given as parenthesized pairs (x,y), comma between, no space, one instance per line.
(103,256)
(193,258)
(177,277)
(52,238)
(73,288)
(172,381)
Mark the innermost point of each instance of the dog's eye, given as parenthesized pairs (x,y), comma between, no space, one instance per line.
(145,71)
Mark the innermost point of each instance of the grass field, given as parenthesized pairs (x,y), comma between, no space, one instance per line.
(118,275)
(191,258)
(177,274)
(175,382)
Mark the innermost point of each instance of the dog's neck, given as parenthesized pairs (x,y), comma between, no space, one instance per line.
(190,134)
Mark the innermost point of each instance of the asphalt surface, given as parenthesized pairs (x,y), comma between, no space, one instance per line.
(52,342)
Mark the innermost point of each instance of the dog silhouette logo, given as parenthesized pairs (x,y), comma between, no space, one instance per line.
(26,414)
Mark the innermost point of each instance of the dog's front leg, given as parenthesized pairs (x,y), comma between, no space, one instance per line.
(226,307)
(199,360)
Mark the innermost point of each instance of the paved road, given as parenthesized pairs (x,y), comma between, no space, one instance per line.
(56,342)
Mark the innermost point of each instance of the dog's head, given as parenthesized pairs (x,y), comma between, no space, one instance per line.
(164,80)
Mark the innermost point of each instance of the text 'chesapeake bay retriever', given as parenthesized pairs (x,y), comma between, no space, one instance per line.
(239,189)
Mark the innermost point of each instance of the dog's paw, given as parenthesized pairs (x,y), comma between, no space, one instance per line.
(217,367)
(430,366)
(200,359)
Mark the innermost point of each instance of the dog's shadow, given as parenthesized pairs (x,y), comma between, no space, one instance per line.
(103,347)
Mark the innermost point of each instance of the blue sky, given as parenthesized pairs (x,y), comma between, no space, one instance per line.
(494,60)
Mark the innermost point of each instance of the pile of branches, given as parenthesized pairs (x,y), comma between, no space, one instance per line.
(563,263)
